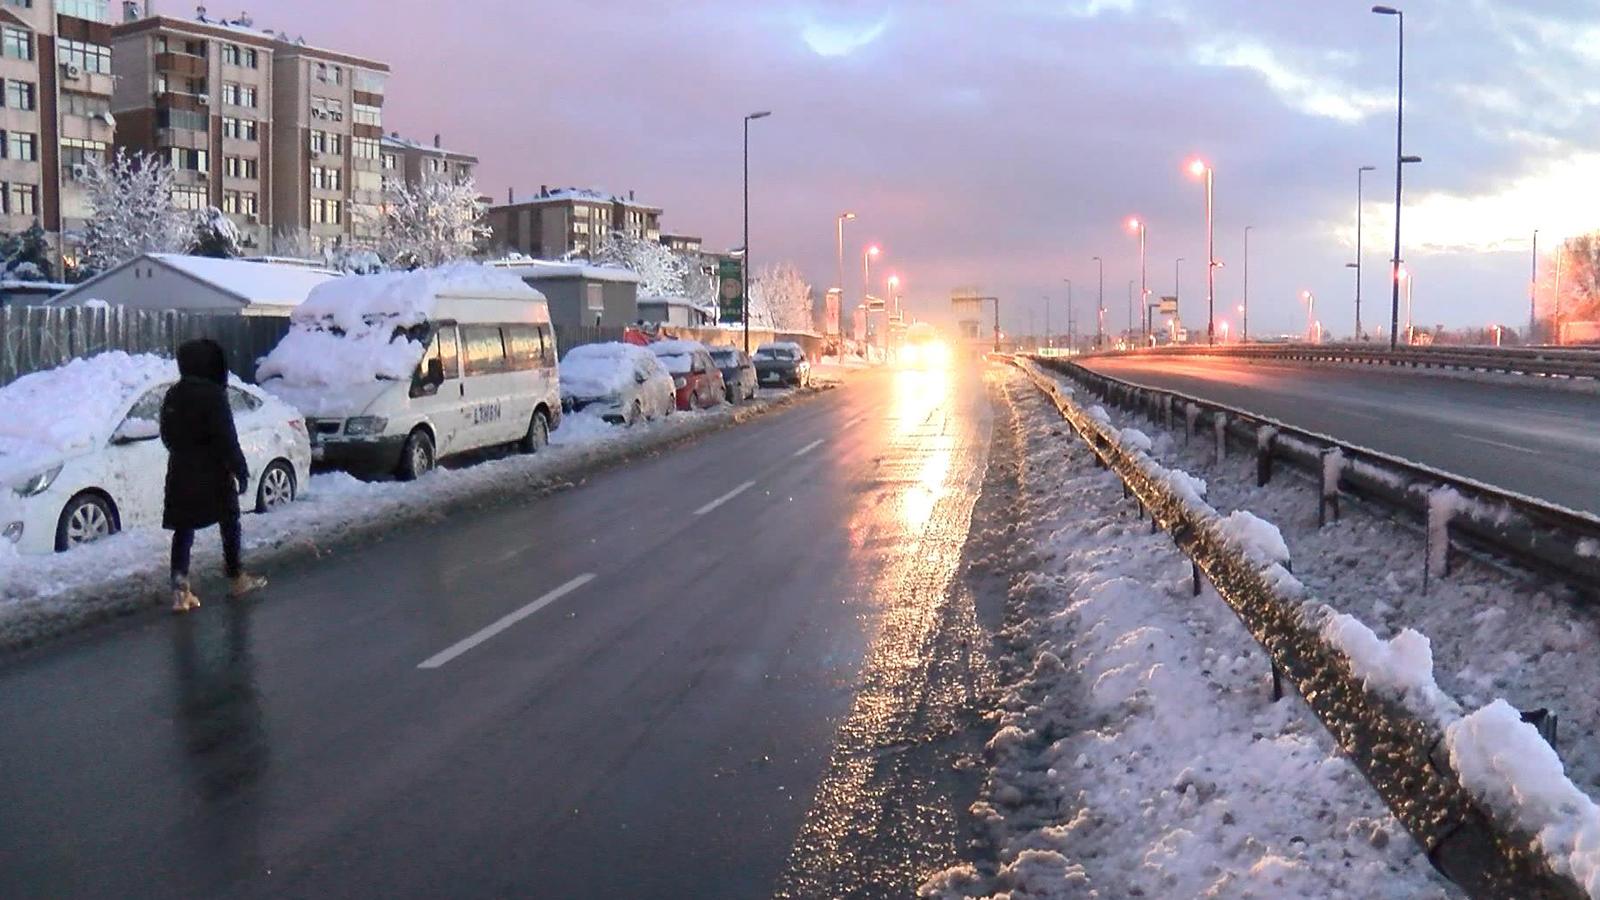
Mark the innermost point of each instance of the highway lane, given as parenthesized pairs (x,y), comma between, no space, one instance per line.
(1538,441)
(646,686)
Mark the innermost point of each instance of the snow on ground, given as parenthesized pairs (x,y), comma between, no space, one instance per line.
(43,595)
(1138,751)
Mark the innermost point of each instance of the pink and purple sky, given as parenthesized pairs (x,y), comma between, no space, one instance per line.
(1003,144)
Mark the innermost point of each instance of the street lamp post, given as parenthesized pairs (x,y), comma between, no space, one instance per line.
(1199,168)
(1144,290)
(1400,161)
(1360,335)
(1047,342)
(1244,308)
(1100,324)
(1177,308)
(1311,316)
(842,218)
(744,314)
(866,280)
(1130,310)
(1072,333)
(1533,290)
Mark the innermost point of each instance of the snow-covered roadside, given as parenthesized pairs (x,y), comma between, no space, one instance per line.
(43,596)
(1138,751)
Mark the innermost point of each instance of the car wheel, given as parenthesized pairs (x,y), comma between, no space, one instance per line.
(277,487)
(635,414)
(86,518)
(538,436)
(417,457)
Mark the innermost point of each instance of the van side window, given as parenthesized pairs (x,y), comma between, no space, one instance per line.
(523,343)
(444,344)
(547,345)
(485,350)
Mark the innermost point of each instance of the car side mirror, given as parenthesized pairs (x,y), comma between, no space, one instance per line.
(132,431)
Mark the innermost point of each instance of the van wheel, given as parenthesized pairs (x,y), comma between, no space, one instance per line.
(538,436)
(417,457)
(276,488)
(86,518)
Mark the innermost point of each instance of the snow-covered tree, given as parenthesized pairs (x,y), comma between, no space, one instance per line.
(437,220)
(294,243)
(1576,262)
(131,196)
(781,299)
(215,235)
(353,260)
(27,255)
(661,272)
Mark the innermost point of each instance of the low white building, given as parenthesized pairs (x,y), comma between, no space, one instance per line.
(199,284)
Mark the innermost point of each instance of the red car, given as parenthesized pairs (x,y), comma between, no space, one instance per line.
(695,375)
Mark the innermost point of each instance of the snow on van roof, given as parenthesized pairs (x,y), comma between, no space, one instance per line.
(347,333)
(47,415)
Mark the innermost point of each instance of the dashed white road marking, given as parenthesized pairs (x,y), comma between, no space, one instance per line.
(1502,445)
(725,498)
(854,421)
(504,622)
(809,447)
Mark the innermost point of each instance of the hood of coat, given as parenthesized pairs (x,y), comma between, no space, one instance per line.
(203,358)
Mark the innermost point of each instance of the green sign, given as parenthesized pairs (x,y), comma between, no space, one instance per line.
(731,290)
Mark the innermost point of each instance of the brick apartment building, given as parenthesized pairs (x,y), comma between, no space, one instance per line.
(410,161)
(278,134)
(55,75)
(570,220)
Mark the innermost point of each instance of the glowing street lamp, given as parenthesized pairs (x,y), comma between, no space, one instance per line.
(1137,224)
(1400,161)
(1199,168)
(745,314)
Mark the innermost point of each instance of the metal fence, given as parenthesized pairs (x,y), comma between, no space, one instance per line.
(43,337)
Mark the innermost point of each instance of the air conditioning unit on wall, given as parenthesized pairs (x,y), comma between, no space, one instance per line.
(79,171)
(72,71)
(203,99)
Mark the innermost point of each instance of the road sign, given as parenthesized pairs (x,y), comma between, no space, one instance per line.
(1169,306)
(731,294)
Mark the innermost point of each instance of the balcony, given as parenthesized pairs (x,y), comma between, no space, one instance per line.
(182,64)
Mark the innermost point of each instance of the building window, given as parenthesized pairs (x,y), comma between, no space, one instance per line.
(21,4)
(16,43)
(364,114)
(326,212)
(325,178)
(77,152)
(89,106)
(188,159)
(330,74)
(22,199)
(19,94)
(241,203)
(189,198)
(368,82)
(239,94)
(326,142)
(241,167)
(187,119)
(230,93)
(22,145)
(88,57)
(390,161)
(93,10)
(364,148)
(239,129)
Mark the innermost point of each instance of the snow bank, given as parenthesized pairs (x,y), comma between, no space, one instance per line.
(1260,540)
(1400,668)
(1510,769)
(350,331)
(45,416)
(1135,440)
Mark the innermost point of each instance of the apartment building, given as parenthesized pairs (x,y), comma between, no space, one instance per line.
(681,243)
(573,221)
(279,135)
(409,161)
(55,113)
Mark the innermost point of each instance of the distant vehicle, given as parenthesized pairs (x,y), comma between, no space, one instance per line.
(695,375)
(782,363)
(624,383)
(395,372)
(81,456)
(738,372)
(923,346)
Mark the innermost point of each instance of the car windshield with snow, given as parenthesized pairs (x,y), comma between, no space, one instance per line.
(398,370)
(619,382)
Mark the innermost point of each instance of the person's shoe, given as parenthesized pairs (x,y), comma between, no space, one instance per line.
(184,600)
(244,583)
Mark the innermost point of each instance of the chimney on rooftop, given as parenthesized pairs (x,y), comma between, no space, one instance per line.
(544,190)
(630,195)
(436,139)
(130,10)
(511,196)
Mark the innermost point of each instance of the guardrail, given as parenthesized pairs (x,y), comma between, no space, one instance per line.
(1395,748)
(1550,362)
(1544,537)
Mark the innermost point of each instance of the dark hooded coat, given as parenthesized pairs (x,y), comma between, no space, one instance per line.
(205,466)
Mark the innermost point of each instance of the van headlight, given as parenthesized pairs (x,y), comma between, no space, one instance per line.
(365,426)
(38,484)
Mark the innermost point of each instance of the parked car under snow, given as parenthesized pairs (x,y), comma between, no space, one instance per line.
(81,456)
(624,383)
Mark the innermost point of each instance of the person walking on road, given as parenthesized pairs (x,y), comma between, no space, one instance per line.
(206,470)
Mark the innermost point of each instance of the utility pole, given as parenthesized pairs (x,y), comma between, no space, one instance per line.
(1244,312)
(1360,335)
(744,314)
(1047,342)
(1100,326)
(1533,290)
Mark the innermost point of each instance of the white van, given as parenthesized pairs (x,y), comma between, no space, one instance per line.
(394,372)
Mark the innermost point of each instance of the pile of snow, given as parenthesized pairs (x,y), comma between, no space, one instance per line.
(351,330)
(591,371)
(1400,668)
(48,415)
(1260,540)
(1135,440)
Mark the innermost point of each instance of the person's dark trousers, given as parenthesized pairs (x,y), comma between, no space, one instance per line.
(183,545)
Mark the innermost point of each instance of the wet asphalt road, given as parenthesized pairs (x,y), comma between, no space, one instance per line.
(1530,439)
(675,680)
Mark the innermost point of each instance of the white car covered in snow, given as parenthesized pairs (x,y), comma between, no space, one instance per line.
(397,371)
(81,455)
(622,382)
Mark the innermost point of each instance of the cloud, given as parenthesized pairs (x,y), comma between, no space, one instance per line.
(842,38)
(1314,93)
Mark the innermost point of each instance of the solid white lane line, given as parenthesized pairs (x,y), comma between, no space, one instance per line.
(853,421)
(506,621)
(725,498)
(809,447)
(1361,415)
(1500,444)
